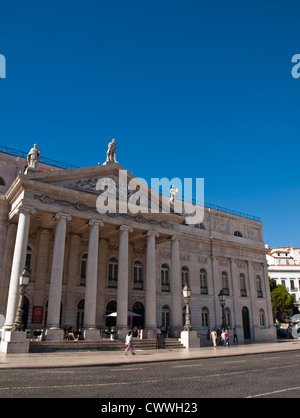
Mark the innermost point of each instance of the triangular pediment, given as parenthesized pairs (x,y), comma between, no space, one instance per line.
(90,181)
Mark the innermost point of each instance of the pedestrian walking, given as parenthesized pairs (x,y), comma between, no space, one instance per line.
(128,343)
(223,337)
(214,336)
(226,338)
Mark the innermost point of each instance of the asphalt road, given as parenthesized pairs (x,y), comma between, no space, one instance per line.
(260,375)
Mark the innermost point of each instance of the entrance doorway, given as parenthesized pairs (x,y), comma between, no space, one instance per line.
(25,312)
(80,314)
(111,307)
(138,321)
(246,323)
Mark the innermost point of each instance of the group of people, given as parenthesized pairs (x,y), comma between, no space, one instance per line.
(72,334)
(220,337)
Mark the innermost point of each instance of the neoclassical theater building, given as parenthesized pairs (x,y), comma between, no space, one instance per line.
(85,265)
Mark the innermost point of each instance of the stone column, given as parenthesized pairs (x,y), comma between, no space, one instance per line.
(15,341)
(253,296)
(41,271)
(18,264)
(53,331)
(122,297)
(176,287)
(73,280)
(10,240)
(150,318)
(236,289)
(91,332)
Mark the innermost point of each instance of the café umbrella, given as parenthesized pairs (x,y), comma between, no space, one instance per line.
(129,314)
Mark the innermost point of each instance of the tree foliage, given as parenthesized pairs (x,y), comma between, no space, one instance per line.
(282,300)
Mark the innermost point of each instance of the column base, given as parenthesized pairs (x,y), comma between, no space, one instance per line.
(149,333)
(189,339)
(176,332)
(122,333)
(91,334)
(14,342)
(54,334)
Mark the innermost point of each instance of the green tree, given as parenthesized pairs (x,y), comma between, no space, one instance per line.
(282,300)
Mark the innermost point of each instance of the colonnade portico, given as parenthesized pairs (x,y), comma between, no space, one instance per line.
(62,220)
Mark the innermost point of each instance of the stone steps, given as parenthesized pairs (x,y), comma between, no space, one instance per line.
(104,345)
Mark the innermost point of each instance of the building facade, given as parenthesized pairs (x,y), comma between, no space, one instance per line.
(85,265)
(284,268)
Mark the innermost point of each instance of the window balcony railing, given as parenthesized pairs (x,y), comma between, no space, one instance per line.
(260,294)
(165,287)
(138,286)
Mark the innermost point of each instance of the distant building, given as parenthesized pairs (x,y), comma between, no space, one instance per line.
(284,268)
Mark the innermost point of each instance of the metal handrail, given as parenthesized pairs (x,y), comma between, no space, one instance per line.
(43,160)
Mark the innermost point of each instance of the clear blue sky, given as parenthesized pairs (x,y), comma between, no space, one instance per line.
(188,88)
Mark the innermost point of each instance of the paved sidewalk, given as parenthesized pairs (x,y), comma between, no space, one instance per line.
(109,358)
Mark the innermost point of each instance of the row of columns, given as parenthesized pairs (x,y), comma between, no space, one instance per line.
(53,331)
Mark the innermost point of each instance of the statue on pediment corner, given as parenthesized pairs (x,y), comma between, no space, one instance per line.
(111,153)
(33,158)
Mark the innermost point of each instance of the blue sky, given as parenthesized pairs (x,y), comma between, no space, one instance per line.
(188,88)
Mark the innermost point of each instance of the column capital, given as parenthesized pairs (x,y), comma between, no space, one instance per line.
(27,209)
(63,215)
(127,228)
(175,238)
(152,233)
(95,222)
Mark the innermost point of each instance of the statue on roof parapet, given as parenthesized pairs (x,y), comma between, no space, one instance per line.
(111,153)
(33,158)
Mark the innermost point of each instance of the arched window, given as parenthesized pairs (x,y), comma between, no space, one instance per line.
(2,182)
(203,282)
(137,275)
(262,318)
(166,317)
(225,283)
(185,276)
(28,262)
(243,285)
(111,308)
(165,278)
(199,226)
(83,265)
(259,287)
(238,234)
(138,321)
(205,317)
(113,272)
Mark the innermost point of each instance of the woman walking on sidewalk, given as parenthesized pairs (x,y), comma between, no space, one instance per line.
(128,343)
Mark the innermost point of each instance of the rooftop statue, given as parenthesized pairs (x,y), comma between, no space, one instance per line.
(33,158)
(173,193)
(111,153)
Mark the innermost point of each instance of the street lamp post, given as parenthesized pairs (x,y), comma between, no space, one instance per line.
(188,337)
(222,303)
(187,296)
(24,281)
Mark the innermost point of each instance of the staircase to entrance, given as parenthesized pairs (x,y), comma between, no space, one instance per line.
(104,345)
